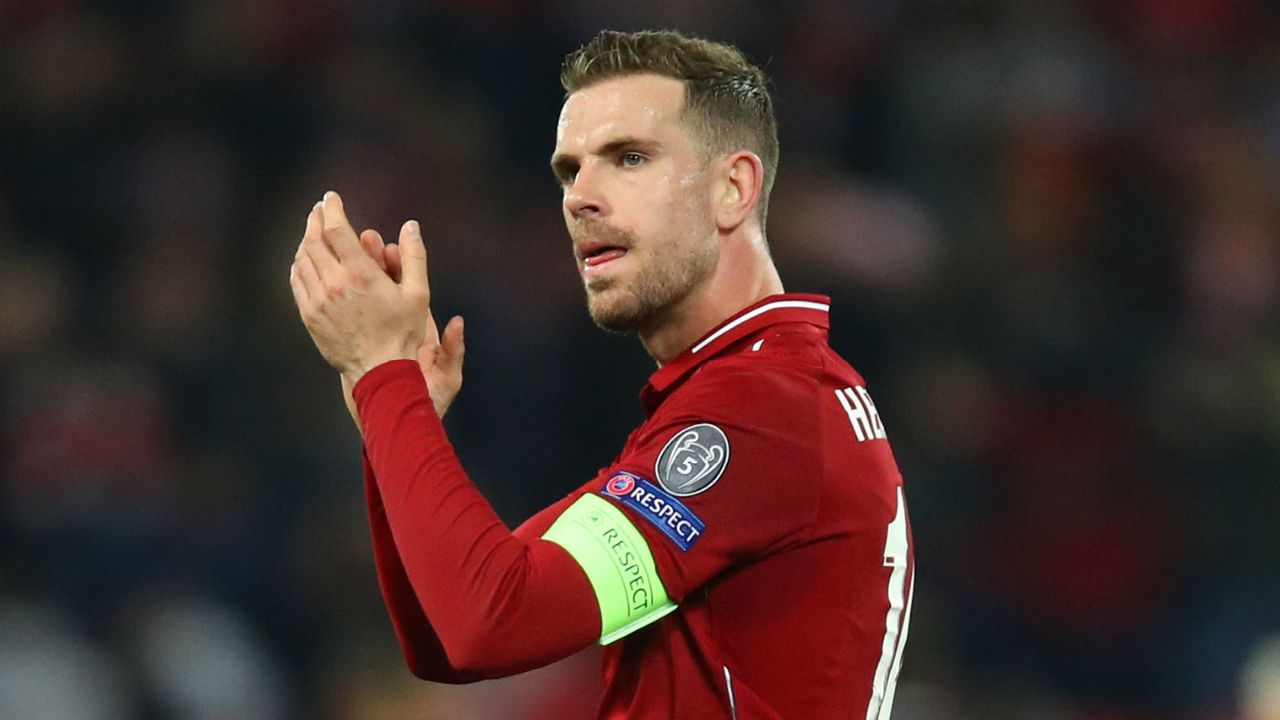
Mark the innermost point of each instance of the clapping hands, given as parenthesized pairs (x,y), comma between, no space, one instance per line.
(365,303)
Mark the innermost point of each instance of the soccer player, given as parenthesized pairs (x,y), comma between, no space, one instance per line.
(748,553)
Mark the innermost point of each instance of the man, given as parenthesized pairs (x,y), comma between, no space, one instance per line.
(748,554)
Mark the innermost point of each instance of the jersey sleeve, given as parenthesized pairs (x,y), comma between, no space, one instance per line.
(469,598)
(423,652)
(725,472)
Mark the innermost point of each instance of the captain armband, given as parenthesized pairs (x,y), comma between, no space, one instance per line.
(618,563)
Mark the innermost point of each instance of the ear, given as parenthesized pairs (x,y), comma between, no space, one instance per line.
(739,182)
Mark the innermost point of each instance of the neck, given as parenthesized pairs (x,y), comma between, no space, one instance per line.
(744,274)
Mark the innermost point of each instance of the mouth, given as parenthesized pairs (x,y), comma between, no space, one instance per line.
(596,255)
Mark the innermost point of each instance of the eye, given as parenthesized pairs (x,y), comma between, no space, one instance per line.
(565,174)
(632,159)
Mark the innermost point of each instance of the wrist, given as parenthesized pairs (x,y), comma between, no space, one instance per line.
(352,373)
(396,376)
(349,398)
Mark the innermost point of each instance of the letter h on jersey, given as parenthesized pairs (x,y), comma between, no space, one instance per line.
(857,404)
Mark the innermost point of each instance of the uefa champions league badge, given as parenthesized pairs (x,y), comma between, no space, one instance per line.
(692,460)
(656,505)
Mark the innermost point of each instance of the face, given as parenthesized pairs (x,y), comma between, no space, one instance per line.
(637,199)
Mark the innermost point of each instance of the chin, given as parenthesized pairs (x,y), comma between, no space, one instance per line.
(616,310)
(614,317)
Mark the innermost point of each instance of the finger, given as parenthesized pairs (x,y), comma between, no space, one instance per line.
(300,296)
(453,347)
(309,276)
(413,255)
(395,262)
(313,244)
(337,229)
(375,247)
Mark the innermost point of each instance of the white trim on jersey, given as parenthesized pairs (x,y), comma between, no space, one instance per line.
(776,305)
(728,683)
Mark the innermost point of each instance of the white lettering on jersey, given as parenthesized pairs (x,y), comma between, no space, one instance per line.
(897,621)
(862,413)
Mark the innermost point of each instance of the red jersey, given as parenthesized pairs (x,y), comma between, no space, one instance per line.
(748,552)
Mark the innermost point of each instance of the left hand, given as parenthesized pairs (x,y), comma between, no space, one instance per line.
(358,316)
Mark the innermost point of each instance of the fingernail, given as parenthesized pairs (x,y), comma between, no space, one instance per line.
(414,228)
(328,194)
(318,205)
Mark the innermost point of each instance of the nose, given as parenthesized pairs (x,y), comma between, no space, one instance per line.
(583,197)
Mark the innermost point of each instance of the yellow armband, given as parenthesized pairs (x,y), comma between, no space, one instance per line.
(618,563)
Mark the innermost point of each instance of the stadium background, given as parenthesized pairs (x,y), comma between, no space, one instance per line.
(1051,230)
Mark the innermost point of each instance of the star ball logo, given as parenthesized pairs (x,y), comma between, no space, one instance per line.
(620,485)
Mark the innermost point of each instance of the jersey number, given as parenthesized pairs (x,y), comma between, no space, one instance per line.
(896,556)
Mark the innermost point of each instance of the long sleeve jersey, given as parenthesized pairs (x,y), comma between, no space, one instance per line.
(747,554)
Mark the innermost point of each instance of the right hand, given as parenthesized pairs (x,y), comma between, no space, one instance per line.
(440,356)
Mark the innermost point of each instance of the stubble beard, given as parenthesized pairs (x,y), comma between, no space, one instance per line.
(667,275)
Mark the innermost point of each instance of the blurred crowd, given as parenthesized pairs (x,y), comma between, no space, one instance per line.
(1051,232)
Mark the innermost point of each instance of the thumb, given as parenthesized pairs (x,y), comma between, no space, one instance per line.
(413,252)
(453,347)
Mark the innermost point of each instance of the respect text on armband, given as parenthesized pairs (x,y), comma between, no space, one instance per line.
(627,561)
(654,504)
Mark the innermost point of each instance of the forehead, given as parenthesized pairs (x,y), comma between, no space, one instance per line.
(642,106)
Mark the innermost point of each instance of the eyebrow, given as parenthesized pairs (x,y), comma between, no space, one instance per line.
(561,162)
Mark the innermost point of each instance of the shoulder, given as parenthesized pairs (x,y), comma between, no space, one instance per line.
(755,385)
(763,409)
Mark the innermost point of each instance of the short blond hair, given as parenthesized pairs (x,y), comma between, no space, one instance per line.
(726,98)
